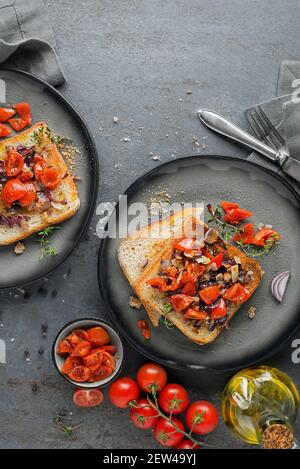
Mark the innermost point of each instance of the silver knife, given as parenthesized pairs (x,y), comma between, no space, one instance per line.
(224,126)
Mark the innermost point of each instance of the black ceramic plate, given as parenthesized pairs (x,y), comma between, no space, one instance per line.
(212,179)
(49,105)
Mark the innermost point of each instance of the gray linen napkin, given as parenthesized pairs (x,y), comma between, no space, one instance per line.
(284,113)
(27,41)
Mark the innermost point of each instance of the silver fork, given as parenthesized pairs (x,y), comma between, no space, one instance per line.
(265,131)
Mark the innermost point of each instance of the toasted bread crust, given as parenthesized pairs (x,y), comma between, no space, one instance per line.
(39,221)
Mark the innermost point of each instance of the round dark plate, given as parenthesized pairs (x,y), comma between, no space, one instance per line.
(210,179)
(49,105)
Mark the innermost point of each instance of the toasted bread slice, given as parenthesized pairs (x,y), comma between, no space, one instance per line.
(139,249)
(40,136)
(154,299)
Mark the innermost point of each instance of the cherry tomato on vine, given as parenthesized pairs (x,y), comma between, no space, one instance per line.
(123,391)
(88,397)
(151,377)
(166,434)
(187,444)
(173,399)
(202,417)
(143,415)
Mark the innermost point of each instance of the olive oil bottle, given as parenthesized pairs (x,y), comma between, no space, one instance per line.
(259,405)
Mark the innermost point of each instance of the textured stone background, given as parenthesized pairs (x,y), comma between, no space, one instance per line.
(137,60)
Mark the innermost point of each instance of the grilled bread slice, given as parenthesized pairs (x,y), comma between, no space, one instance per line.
(40,136)
(139,249)
(154,299)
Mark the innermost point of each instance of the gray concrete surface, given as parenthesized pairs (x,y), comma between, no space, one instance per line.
(137,60)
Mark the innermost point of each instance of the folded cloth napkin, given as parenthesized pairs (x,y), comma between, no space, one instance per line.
(27,41)
(284,113)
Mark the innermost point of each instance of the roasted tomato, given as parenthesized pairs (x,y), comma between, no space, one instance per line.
(12,191)
(98,336)
(50,178)
(39,166)
(266,236)
(171,272)
(163,284)
(180,302)
(189,289)
(4,130)
(30,195)
(219,311)
(237,293)
(144,328)
(64,347)
(217,260)
(93,359)
(17,123)
(193,273)
(226,206)
(100,373)
(185,244)
(112,349)
(246,236)
(14,163)
(67,367)
(82,349)
(25,175)
(236,215)
(6,113)
(24,111)
(210,294)
(192,313)
(80,374)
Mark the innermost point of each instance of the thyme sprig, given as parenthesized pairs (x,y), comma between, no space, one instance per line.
(47,249)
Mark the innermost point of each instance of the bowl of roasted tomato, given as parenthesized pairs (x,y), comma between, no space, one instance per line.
(88,353)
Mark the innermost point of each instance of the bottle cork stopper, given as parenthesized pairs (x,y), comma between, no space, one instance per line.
(277,436)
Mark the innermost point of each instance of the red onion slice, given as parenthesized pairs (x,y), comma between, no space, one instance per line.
(279,284)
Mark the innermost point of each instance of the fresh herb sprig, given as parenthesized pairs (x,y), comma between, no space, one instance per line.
(47,249)
(167,307)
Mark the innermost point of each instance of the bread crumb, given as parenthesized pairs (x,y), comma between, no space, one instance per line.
(251,312)
(19,248)
(135,302)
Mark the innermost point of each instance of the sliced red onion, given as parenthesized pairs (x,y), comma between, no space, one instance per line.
(279,284)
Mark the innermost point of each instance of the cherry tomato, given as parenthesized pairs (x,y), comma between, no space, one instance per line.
(171,272)
(12,191)
(165,432)
(144,328)
(163,284)
(88,397)
(219,311)
(202,417)
(14,163)
(81,333)
(82,349)
(80,374)
(25,175)
(180,302)
(24,111)
(17,123)
(266,236)
(246,236)
(50,178)
(226,206)
(64,347)
(217,260)
(4,130)
(143,415)
(237,215)
(67,366)
(210,294)
(108,360)
(173,399)
(93,359)
(30,195)
(39,166)
(189,289)
(6,113)
(112,349)
(123,391)
(187,444)
(237,293)
(193,273)
(98,336)
(151,377)
(192,313)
